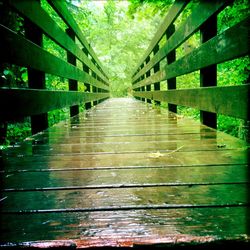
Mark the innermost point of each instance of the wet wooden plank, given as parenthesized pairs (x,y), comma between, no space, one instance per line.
(130,147)
(109,197)
(43,139)
(101,179)
(153,146)
(134,227)
(220,157)
(77,177)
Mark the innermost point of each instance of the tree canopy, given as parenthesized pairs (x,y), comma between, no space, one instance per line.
(118,35)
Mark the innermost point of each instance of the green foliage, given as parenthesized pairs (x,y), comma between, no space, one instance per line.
(234,72)
(118,40)
(156,6)
(17,132)
(229,125)
(190,112)
(11,75)
(232,14)
(10,19)
(58,115)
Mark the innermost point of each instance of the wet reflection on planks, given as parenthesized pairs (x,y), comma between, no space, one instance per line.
(128,173)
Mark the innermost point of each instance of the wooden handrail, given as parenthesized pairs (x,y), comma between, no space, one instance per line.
(217,48)
(27,54)
(62,10)
(27,102)
(226,46)
(187,29)
(27,51)
(227,100)
(36,14)
(172,15)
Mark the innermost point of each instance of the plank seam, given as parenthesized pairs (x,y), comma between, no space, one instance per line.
(126,208)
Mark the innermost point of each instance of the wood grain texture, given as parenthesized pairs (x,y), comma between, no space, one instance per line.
(137,177)
(136,227)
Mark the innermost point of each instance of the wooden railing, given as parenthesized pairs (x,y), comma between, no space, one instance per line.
(214,49)
(27,51)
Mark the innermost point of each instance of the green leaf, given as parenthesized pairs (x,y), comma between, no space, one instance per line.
(25,76)
(7,72)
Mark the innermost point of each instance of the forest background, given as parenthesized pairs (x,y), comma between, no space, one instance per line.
(120,32)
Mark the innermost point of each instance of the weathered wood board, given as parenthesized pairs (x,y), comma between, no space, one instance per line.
(125,174)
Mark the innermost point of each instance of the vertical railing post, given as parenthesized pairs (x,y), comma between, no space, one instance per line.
(98,89)
(73,84)
(171,57)
(94,89)
(87,85)
(137,89)
(208,75)
(156,69)
(142,88)
(36,78)
(148,87)
(137,98)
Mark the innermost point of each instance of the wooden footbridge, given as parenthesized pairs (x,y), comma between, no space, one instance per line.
(124,173)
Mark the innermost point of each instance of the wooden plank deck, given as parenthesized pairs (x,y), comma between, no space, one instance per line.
(125,174)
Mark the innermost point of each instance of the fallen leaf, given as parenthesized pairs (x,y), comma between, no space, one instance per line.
(156,155)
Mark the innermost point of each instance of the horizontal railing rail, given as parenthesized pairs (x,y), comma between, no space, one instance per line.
(226,46)
(27,51)
(214,49)
(28,102)
(36,14)
(226,100)
(174,12)
(61,8)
